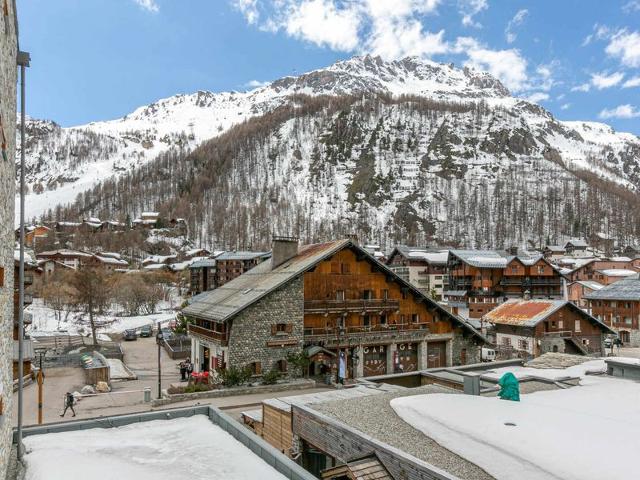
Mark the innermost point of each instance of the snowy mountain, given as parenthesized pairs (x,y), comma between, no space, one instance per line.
(421,137)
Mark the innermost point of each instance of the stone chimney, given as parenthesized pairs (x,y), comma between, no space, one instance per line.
(283,249)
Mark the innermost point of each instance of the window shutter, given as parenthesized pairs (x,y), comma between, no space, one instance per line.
(274,329)
(258,368)
(289,327)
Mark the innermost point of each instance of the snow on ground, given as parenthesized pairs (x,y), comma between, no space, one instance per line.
(580,433)
(592,366)
(191,448)
(119,371)
(44,321)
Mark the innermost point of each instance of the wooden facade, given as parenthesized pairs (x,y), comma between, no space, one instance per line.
(620,314)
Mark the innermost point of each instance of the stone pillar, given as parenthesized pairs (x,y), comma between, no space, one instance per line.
(449,352)
(422,355)
(391,350)
(360,364)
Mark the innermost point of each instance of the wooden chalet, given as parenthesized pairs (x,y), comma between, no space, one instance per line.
(618,305)
(531,327)
(334,295)
(485,278)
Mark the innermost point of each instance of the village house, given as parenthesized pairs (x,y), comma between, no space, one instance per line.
(597,268)
(554,252)
(531,327)
(481,279)
(230,265)
(332,295)
(424,268)
(202,276)
(577,247)
(618,305)
(147,220)
(576,291)
(69,258)
(33,234)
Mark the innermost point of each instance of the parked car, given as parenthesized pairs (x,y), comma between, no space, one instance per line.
(167,333)
(130,335)
(146,331)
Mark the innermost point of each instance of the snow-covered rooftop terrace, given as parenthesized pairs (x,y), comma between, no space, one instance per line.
(191,447)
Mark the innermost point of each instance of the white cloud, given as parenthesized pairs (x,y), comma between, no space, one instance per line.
(585,87)
(604,80)
(632,6)
(469,9)
(625,46)
(149,5)
(565,106)
(323,23)
(538,97)
(632,82)
(256,84)
(600,32)
(517,20)
(507,65)
(249,8)
(621,111)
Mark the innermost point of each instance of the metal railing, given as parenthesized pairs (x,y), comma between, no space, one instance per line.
(364,330)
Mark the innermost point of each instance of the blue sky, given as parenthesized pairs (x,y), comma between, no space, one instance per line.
(100,59)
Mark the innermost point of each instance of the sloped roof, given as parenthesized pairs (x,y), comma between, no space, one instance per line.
(231,298)
(481,258)
(592,284)
(577,242)
(626,289)
(617,272)
(242,255)
(208,262)
(528,313)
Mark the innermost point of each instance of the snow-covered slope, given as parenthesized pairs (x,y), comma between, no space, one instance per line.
(63,162)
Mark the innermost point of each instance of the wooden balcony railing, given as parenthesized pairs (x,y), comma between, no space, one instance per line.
(350,305)
(366,331)
(210,334)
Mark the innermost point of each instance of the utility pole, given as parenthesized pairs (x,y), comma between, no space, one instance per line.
(23,59)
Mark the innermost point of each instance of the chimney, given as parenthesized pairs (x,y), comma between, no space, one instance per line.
(283,249)
(527,295)
(513,251)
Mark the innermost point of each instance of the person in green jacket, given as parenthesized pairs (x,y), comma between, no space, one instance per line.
(509,387)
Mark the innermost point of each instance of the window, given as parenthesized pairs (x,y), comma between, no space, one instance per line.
(366,320)
(415,318)
(367,294)
(523,344)
(560,324)
(614,304)
(506,341)
(553,324)
(335,267)
(514,269)
(385,294)
(585,341)
(383,319)
(256,368)
(340,295)
(282,366)
(577,326)
(401,318)
(540,269)
(344,268)
(281,328)
(438,277)
(628,320)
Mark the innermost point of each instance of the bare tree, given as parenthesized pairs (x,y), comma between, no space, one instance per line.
(91,293)
(59,295)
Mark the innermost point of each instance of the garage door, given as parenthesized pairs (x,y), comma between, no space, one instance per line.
(375,360)
(408,356)
(436,354)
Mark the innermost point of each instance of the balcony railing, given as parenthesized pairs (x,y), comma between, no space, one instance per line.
(365,331)
(350,305)
(546,281)
(210,334)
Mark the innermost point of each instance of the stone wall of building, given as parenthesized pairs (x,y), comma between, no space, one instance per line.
(8,79)
(471,344)
(251,338)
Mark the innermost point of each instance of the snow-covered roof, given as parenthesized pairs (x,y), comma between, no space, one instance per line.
(155,266)
(242,255)
(159,258)
(617,272)
(64,253)
(556,248)
(625,289)
(577,242)
(591,284)
(481,258)
(110,260)
(195,251)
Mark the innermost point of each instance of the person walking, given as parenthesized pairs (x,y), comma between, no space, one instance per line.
(189,368)
(69,401)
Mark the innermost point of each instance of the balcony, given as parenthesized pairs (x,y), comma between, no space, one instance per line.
(512,281)
(366,334)
(343,306)
(555,281)
(218,337)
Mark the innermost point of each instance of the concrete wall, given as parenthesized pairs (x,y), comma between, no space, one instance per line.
(251,329)
(8,79)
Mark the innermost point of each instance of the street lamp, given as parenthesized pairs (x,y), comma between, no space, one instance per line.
(159,337)
(41,352)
